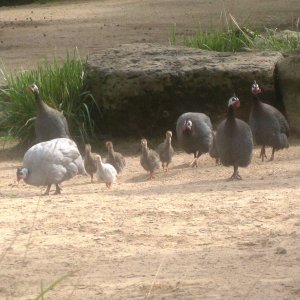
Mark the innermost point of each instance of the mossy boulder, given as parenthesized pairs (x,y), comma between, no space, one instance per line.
(141,89)
(289,83)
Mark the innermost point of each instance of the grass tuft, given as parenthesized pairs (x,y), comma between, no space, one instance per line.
(62,86)
(228,36)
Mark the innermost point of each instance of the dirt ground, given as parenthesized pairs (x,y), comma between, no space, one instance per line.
(188,234)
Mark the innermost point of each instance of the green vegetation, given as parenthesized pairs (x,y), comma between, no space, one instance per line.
(61,85)
(228,36)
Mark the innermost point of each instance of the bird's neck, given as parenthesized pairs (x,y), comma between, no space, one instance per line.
(168,142)
(111,152)
(256,100)
(231,113)
(99,165)
(38,100)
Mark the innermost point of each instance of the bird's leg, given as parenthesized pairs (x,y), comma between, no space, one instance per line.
(151,175)
(47,190)
(167,167)
(218,161)
(235,175)
(163,166)
(108,185)
(92,178)
(57,190)
(263,153)
(194,163)
(272,156)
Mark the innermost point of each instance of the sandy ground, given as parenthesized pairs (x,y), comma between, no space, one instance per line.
(188,234)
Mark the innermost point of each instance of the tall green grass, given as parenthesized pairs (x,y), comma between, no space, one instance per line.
(62,86)
(226,35)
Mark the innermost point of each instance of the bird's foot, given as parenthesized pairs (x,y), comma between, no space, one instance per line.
(194,163)
(108,185)
(151,176)
(235,176)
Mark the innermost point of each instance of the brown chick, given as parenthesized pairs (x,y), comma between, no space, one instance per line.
(149,159)
(116,159)
(90,161)
(166,151)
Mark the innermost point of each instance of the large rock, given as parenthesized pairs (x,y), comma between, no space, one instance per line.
(289,82)
(143,88)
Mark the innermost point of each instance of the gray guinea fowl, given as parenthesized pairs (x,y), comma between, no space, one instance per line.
(149,159)
(115,158)
(194,134)
(166,151)
(234,140)
(50,123)
(90,161)
(269,126)
(51,162)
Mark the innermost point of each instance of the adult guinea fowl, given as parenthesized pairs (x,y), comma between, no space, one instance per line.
(269,126)
(115,158)
(51,162)
(194,134)
(106,172)
(234,140)
(90,162)
(50,123)
(149,159)
(166,151)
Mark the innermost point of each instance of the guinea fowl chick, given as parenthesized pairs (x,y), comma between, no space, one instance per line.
(269,126)
(51,162)
(149,159)
(234,140)
(49,123)
(115,158)
(106,172)
(166,151)
(90,162)
(194,134)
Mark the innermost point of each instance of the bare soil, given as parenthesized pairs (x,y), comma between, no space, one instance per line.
(187,234)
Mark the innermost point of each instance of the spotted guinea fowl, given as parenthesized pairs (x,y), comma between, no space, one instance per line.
(51,162)
(149,159)
(194,134)
(90,162)
(106,172)
(166,151)
(234,140)
(50,123)
(115,158)
(269,126)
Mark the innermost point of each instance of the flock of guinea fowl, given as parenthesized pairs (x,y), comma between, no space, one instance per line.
(56,157)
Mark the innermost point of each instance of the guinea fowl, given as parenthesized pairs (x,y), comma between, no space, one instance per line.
(106,172)
(50,123)
(51,162)
(166,151)
(194,134)
(269,126)
(234,140)
(115,158)
(90,162)
(149,159)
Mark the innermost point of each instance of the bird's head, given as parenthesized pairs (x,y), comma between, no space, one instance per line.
(109,145)
(234,101)
(87,148)
(187,125)
(255,89)
(22,173)
(169,134)
(144,143)
(33,88)
(98,158)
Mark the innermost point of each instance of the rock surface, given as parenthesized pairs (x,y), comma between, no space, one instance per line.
(143,88)
(289,78)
